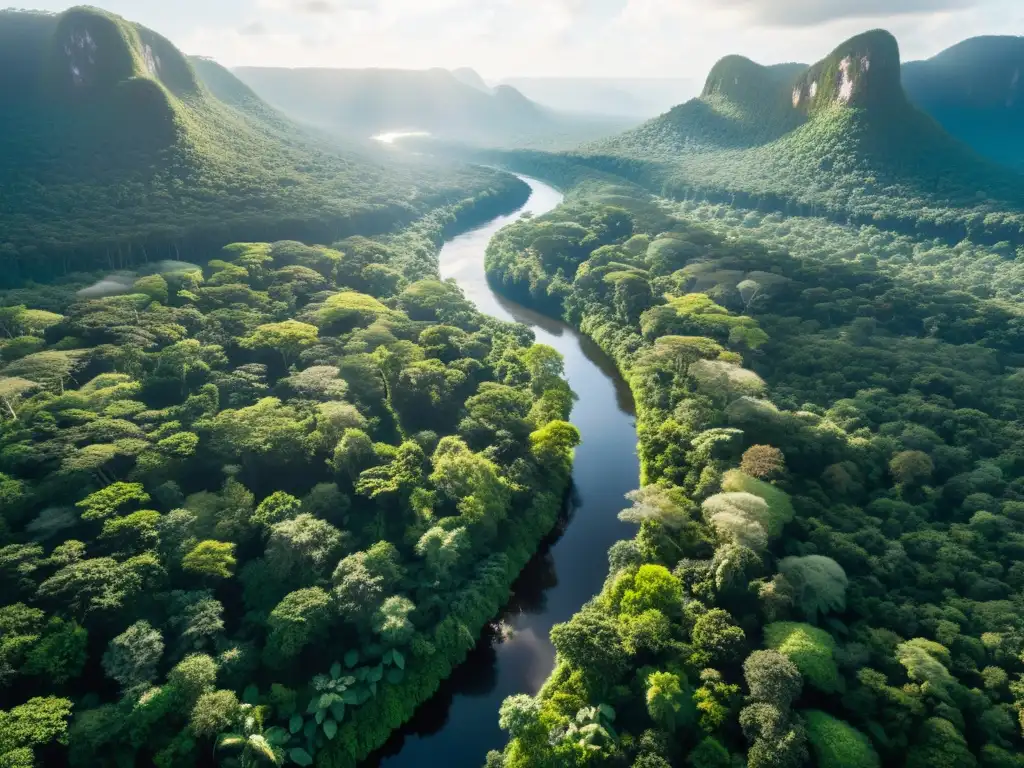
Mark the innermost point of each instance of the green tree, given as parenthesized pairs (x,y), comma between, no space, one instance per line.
(300,619)
(286,339)
(112,500)
(211,558)
(819,583)
(837,744)
(911,467)
(940,745)
(773,678)
(214,712)
(132,657)
(716,638)
(36,723)
(668,703)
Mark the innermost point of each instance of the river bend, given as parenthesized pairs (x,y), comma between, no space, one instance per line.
(457,727)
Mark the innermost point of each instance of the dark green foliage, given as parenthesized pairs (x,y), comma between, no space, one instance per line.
(884,367)
(207,479)
(836,744)
(839,139)
(86,133)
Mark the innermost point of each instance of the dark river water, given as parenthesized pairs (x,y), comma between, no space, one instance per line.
(457,727)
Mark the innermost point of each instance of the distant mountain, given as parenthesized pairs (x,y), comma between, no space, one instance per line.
(839,139)
(115,146)
(365,102)
(638,98)
(471,78)
(976,91)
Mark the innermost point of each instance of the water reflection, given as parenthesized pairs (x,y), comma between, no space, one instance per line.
(514,655)
(393,136)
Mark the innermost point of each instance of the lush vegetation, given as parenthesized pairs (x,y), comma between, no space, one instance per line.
(254,512)
(838,140)
(974,89)
(452,106)
(114,151)
(832,506)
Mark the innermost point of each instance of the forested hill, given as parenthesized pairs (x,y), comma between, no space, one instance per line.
(113,149)
(976,91)
(838,139)
(450,105)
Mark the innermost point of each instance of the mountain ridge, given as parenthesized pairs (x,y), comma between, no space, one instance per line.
(975,89)
(365,102)
(841,139)
(114,148)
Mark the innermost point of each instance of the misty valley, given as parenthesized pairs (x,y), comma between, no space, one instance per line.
(392,416)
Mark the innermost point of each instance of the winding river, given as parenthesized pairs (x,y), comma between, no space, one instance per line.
(457,727)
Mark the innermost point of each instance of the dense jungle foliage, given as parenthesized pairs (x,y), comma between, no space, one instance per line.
(838,140)
(975,90)
(207,473)
(115,149)
(831,520)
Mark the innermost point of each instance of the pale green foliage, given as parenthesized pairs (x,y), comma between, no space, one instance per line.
(654,502)
(819,583)
(319,382)
(112,499)
(810,648)
(519,715)
(391,621)
(193,676)
(214,712)
(925,662)
(276,507)
(725,381)
(653,586)
(303,548)
(666,699)
(211,558)
(52,369)
(468,480)
(779,504)
(553,444)
(12,390)
(740,518)
(441,548)
(286,339)
(37,722)
(350,308)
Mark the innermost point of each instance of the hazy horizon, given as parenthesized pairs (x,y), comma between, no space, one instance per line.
(503,39)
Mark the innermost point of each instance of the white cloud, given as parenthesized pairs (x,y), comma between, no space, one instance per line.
(806,13)
(677,38)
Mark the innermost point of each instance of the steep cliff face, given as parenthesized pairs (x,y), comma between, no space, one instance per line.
(862,72)
(93,51)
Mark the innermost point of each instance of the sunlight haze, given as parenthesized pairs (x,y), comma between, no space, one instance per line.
(594,38)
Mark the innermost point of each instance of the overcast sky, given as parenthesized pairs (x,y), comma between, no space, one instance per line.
(601,38)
